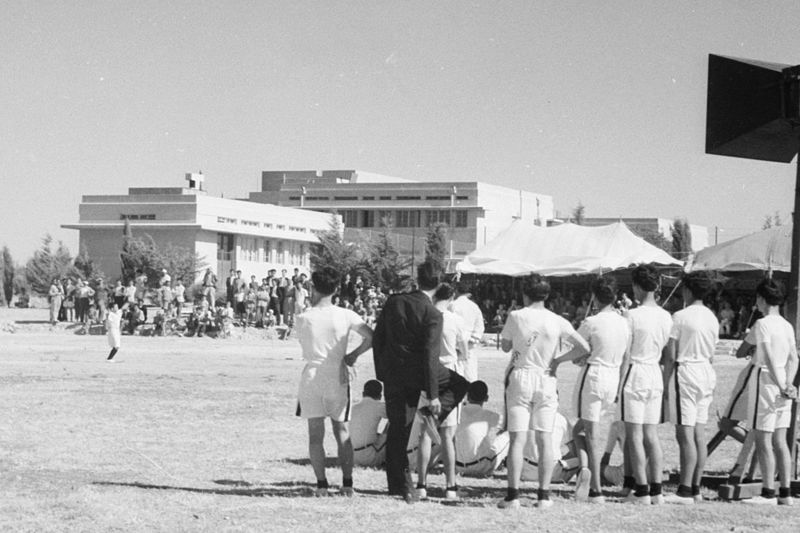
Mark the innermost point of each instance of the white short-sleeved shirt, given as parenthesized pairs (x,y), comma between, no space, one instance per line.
(650,327)
(778,333)
(535,336)
(472,316)
(475,426)
(323,333)
(365,419)
(453,332)
(697,331)
(608,336)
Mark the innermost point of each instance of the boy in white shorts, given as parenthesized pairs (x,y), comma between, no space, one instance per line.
(690,379)
(535,334)
(608,336)
(454,348)
(323,332)
(642,387)
(771,391)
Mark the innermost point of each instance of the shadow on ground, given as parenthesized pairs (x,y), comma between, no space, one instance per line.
(237,488)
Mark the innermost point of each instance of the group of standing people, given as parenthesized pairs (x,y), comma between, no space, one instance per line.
(643,364)
(274,300)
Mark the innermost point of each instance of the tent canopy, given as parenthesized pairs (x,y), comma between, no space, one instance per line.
(765,250)
(563,250)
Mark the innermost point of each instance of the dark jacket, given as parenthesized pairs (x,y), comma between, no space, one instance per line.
(406,343)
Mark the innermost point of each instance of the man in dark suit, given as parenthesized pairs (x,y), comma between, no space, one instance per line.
(406,347)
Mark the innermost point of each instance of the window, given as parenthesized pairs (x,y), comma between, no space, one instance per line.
(437,197)
(226,220)
(350,219)
(461,219)
(407,219)
(367,219)
(462,197)
(294,198)
(345,197)
(386,197)
(281,226)
(367,197)
(267,256)
(441,216)
(249,252)
(250,223)
(409,198)
(281,259)
(224,247)
(317,198)
(298,229)
(137,217)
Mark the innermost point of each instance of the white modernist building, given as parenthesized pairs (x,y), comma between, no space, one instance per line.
(225,233)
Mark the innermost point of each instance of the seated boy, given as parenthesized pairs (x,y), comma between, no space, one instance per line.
(369,445)
(481,445)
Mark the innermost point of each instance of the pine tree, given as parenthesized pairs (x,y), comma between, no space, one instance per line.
(8,275)
(579,214)
(681,239)
(332,250)
(47,265)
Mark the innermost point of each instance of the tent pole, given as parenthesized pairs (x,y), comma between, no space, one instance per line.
(792,307)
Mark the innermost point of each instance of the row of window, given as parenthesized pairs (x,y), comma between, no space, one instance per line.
(137,217)
(406,218)
(384,198)
(255,224)
(256,250)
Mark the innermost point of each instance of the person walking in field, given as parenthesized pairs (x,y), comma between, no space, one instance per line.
(55,296)
(772,392)
(642,388)
(608,336)
(113,330)
(690,380)
(534,335)
(324,390)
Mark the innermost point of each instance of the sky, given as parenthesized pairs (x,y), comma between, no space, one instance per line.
(599,103)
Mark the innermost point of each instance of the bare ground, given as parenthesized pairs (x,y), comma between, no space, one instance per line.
(199,434)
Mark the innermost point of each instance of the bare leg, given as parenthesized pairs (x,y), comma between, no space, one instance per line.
(593,453)
(514,460)
(654,454)
(702,453)
(423,457)
(544,442)
(766,458)
(448,435)
(316,449)
(688,452)
(634,446)
(341,433)
(783,457)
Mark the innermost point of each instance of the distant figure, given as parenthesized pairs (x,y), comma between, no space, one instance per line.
(113,333)
(55,297)
(210,286)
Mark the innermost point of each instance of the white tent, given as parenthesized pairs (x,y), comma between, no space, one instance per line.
(766,250)
(562,250)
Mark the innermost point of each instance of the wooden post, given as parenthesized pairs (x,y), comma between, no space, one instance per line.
(792,306)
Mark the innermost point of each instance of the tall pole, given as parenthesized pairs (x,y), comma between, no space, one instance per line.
(792,307)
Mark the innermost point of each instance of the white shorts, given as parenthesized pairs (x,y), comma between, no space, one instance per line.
(641,392)
(595,391)
(767,409)
(323,396)
(531,400)
(452,419)
(738,404)
(691,389)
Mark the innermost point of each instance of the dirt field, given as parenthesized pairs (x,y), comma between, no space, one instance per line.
(188,434)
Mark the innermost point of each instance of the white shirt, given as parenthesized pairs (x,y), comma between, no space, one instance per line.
(365,418)
(323,333)
(472,316)
(452,333)
(608,336)
(475,432)
(535,336)
(113,322)
(696,331)
(650,327)
(779,334)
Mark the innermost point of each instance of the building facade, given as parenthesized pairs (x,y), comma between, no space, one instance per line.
(226,234)
(472,211)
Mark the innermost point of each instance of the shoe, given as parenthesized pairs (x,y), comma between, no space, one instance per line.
(760,500)
(110,361)
(613,474)
(638,500)
(422,493)
(452,495)
(786,501)
(657,499)
(410,497)
(698,498)
(321,493)
(544,504)
(597,499)
(679,500)
(347,492)
(582,485)
(508,504)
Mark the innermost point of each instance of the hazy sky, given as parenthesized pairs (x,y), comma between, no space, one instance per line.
(598,102)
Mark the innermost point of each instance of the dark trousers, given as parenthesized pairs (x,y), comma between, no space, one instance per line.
(401,407)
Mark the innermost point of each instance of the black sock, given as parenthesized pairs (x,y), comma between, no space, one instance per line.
(695,490)
(767,493)
(605,460)
(594,493)
(655,489)
(322,483)
(543,494)
(112,354)
(347,482)
(454,488)
(628,482)
(641,490)
(422,486)
(783,492)
(684,491)
(513,494)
